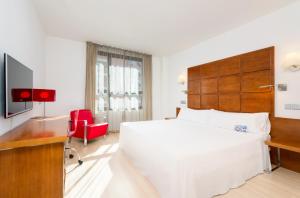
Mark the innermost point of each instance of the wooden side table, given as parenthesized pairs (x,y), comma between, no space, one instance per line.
(289,145)
(170,118)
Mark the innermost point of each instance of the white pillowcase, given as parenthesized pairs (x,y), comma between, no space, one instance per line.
(255,122)
(199,116)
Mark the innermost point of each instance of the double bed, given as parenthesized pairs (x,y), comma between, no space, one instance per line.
(185,158)
(205,152)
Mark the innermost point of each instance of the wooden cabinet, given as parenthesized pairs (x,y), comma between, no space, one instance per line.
(32,159)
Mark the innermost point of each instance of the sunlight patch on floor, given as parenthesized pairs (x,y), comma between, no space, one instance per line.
(92,177)
(93,181)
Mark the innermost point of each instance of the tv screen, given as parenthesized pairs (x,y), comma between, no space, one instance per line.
(19,84)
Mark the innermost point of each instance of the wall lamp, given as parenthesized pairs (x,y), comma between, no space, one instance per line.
(291,62)
(182,80)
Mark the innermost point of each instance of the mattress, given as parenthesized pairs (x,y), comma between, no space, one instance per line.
(185,159)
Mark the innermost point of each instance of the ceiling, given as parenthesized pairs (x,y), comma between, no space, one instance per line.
(159,27)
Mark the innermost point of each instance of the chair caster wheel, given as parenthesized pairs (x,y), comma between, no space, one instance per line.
(80,162)
(71,156)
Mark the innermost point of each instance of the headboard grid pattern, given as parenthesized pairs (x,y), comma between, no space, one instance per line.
(242,83)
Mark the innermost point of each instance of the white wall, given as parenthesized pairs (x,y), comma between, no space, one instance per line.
(280,29)
(65,72)
(159,79)
(21,36)
(157,88)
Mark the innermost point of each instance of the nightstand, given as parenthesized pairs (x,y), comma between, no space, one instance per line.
(170,118)
(289,145)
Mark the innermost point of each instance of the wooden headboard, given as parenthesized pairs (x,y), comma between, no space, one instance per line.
(242,83)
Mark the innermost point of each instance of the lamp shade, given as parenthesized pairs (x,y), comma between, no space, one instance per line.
(21,95)
(43,95)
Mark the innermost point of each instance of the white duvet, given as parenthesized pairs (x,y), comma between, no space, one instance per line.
(187,160)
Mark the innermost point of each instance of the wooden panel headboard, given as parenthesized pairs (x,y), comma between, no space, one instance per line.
(242,83)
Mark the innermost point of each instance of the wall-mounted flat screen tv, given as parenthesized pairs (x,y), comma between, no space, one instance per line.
(18,87)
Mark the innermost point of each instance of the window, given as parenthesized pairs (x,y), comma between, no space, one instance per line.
(102,84)
(119,85)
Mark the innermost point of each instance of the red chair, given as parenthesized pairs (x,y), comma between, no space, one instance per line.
(83,126)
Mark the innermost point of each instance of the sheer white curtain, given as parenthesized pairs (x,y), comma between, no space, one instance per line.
(121,94)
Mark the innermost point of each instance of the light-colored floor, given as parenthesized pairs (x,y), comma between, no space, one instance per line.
(106,172)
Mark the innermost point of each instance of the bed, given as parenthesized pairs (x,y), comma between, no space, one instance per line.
(206,152)
(188,158)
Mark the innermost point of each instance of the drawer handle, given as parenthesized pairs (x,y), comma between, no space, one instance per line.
(265,86)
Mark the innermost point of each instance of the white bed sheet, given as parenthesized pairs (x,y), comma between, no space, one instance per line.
(187,160)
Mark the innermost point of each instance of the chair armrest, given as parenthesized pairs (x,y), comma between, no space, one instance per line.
(84,121)
(97,125)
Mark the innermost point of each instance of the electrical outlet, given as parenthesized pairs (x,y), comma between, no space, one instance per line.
(292,106)
(282,87)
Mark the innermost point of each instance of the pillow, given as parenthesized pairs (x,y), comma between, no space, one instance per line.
(254,122)
(199,116)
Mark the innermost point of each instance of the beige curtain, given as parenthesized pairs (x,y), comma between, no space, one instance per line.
(146,114)
(116,62)
(147,101)
(90,86)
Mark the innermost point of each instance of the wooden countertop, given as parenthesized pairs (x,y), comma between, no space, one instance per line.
(36,132)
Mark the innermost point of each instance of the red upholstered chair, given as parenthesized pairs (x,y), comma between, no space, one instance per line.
(83,126)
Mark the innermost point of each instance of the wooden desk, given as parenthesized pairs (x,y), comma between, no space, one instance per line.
(32,159)
(290,145)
